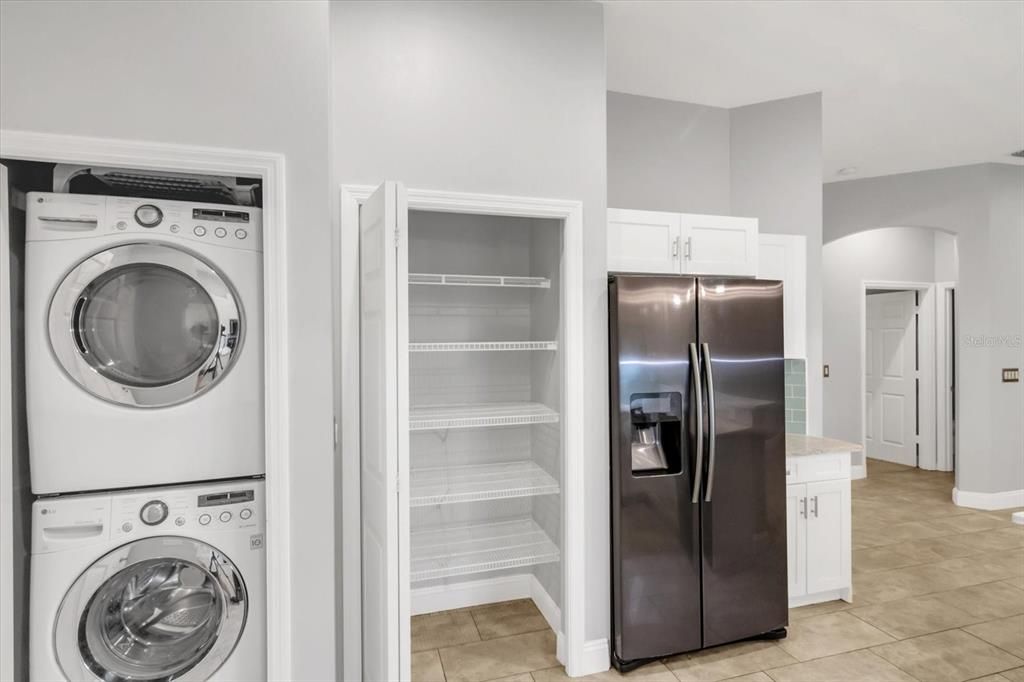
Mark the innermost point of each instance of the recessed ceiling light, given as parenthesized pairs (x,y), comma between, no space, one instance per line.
(849,170)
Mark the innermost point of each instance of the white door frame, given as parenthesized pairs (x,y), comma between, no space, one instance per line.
(944,399)
(927,400)
(7,529)
(33,146)
(347,266)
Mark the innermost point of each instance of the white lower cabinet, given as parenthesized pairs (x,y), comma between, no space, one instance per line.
(818,534)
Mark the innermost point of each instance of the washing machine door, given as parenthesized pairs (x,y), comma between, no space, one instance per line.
(146,325)
(162,608)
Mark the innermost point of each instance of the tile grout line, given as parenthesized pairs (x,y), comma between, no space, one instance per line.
(981,639)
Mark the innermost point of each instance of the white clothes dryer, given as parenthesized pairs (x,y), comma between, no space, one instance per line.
(144,342)
(152,584)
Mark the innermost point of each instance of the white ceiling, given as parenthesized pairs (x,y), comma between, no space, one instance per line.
(906,85)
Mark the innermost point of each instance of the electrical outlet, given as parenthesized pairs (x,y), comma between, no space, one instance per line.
(826,371)
(1011,374)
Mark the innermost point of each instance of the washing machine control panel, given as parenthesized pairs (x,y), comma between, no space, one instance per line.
(230,508)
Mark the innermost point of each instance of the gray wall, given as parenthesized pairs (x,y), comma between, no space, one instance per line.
(504,98)
(896,254)
(775,175)
(984,206)
(224,75)
(762,160)
(667,156)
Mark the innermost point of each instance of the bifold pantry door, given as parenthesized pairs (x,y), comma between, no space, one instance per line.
(384,432)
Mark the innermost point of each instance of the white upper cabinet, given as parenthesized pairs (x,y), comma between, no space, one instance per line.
(784,257)
(643,241)
(681,243)
(719,245)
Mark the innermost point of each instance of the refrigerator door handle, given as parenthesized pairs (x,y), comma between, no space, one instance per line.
(698,402)
(711,420)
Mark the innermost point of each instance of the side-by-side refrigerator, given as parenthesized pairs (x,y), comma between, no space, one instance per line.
(698,458)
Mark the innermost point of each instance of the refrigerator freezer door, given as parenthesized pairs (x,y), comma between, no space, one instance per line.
(656,591)
(743,519)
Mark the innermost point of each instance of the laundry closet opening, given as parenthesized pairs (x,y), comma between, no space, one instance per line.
(133,325)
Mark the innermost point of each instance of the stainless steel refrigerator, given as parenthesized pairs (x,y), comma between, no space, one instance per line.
(698,461)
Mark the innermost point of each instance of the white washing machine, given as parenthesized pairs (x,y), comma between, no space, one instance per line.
(152,584)
(144,342)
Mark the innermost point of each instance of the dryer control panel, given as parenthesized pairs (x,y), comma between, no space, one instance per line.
(71,216)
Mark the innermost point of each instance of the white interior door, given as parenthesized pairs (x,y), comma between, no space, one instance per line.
(384,444)
(890,400)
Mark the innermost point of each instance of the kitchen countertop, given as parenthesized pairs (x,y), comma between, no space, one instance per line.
(799,445)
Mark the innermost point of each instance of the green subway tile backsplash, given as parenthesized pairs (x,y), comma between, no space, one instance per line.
(796,396)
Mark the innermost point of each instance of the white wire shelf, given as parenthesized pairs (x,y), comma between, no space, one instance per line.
(479,415)
(475,482)
(465,549)
(441,279)
(444,347)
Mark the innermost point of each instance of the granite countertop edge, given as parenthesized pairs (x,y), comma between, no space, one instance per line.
(799,445)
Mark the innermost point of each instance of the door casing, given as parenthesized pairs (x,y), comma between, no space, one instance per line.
(581,657)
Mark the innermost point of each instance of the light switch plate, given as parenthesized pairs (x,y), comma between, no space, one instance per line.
(1011,374)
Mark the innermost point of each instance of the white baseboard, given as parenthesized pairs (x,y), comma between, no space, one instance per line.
(472,593)
(552,614)
(1005,500)
(858,471)
(595,658)
(819,597)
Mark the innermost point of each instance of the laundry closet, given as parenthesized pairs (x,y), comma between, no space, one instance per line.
(465,311)
(134,326)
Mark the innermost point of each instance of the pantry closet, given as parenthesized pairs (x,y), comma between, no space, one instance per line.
(467,429)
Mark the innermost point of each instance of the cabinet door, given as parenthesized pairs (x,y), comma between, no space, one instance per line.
(796,534)
(719,245)
(828,530)
(643,241)
(384,439)
(784,257)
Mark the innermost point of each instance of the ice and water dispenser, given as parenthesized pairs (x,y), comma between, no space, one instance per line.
(656,441)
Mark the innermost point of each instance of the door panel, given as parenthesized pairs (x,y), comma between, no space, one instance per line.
(744,521)
(384,433)
(655,524)
(828,561)
(890,377)
(784,257)
(643,241)
(796,532)
(720,245)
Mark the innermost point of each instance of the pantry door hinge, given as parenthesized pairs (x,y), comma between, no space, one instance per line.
(397,238)
(335,432)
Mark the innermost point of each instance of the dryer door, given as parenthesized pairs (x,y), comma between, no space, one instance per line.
(161,608)
(146,325)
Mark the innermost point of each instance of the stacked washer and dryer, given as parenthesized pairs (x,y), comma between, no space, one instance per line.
(145,408)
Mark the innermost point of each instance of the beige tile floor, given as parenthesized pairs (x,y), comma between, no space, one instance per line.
(938,597)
